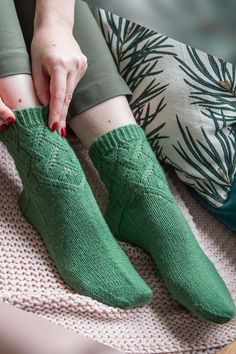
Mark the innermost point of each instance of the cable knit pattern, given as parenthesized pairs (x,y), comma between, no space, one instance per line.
(30,281)
(59,203)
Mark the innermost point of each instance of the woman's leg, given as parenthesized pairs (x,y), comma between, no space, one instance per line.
(141,209)
(56,197)
(17,91)
(100,119)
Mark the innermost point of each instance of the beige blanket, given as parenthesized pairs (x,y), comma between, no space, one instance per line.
(29,279)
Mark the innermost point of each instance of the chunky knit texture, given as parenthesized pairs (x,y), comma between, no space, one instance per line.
(141,210)
(59,203)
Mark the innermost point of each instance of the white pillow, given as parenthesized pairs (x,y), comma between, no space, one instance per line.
(184,99)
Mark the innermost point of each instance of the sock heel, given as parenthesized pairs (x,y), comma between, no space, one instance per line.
(30,211)
(113,216)
(23,201)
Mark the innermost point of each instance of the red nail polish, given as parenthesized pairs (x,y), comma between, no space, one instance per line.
(11,120)
(63,132)
(54,126)
(3,127)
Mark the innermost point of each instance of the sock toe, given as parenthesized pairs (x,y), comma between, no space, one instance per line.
(130,292)
(126,300)
(208,298)
(138,298)
(222,312)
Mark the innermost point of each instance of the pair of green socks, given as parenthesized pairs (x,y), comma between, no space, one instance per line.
(59,203)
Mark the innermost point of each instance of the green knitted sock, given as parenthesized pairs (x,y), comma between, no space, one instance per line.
(59,203)
(141,210)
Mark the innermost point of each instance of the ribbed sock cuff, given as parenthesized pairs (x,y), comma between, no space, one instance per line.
(32,116)
(115,138)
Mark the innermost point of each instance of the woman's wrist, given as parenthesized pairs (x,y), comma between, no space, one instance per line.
(54,14)
(47,22)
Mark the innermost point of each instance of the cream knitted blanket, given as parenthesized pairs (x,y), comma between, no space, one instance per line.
(29,279)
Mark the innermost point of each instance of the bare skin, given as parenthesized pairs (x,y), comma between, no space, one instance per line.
(24,333)
(16,91)
(110,114)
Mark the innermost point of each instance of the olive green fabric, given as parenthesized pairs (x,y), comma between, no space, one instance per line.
(101,80)
(14,58)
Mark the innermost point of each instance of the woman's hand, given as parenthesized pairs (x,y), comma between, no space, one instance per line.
(6,116)
(58,64)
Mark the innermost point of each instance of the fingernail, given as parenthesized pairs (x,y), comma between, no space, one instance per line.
(3,127)
(63,132)
(54,126)
(11,120)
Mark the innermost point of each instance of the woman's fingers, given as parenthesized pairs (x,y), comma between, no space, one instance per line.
(73,79)
(58,83)
(6,116)
(70,86)
(41,84)
(62,85)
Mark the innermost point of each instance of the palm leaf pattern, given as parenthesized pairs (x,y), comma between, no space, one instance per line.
(214,89)
(212,83)
(214,176)
(201,145)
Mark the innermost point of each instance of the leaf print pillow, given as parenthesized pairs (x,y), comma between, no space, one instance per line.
(185,100)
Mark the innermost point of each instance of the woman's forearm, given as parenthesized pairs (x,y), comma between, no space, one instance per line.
(54,12)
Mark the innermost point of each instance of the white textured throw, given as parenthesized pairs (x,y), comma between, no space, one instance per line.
(30,281)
